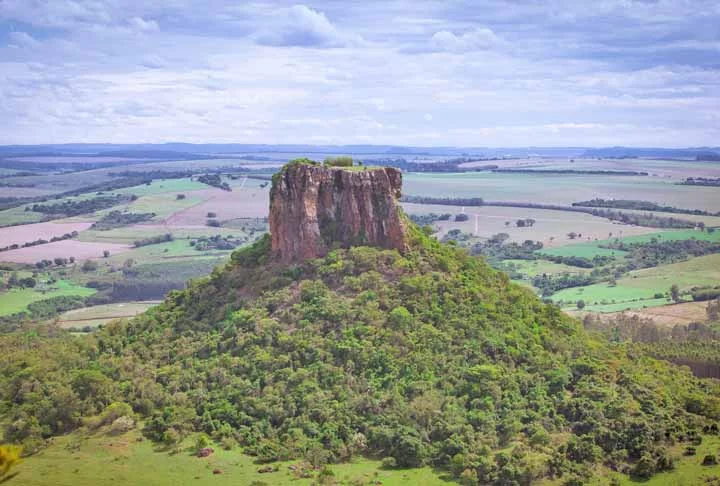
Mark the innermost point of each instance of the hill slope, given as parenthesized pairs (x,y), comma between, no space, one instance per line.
(430,357)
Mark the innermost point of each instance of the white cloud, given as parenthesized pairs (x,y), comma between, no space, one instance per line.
(143,25)
(474,40)
(302,26)
(22,39)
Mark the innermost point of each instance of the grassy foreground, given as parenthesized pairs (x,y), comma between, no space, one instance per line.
(75,460)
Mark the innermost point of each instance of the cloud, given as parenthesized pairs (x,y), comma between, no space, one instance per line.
(509,73)
(143,25)
(475,40)
(303,26)
(22,39)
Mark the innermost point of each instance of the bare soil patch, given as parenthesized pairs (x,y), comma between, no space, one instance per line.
(81,250)
(31,232)
(247,202)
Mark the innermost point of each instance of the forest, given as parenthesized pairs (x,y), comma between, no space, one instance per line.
(375,354)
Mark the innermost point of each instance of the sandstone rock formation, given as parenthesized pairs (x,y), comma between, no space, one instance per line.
(314,209)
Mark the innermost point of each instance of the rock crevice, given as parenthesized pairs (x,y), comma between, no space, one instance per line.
(314,209)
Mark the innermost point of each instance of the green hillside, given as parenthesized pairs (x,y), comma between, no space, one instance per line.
(428,358)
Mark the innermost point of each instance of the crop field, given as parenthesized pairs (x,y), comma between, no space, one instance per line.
(678,169)
(247,202)
(81,250)
(17,300)
(670,315)
(102,314)
(637,289)
(551,227)
(162,186)
(560,189)
(130,234)
(31,232)
(177,249)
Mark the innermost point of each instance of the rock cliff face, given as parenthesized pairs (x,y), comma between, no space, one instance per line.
(314,209)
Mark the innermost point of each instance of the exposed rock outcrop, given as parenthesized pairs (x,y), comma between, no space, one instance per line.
(314,209)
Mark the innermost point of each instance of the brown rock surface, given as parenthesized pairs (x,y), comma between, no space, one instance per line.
(314,209)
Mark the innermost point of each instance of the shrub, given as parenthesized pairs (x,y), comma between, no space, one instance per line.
(116,410)
(709,460)
(389,463)
(343,161)
(645,467)
(89,266)
(461,217)
(9,458)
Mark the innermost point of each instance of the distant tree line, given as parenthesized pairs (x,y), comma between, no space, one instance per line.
(639,205)
(648,219)
(214,180)
(82,206)
(216,242)
(659,252)
(154,240)
(40,241)
(701,181)
(444,201)
(452,165)
(549,284)
(573,171)
(117,219)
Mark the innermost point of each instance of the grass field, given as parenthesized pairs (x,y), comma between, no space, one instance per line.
(76,460)
(637,289)
(532,268)
(103,459)
(584,250)
(560,189)
(551,227)
(161,186)
(18,215)
(101,314)
(17,300)
(130,234)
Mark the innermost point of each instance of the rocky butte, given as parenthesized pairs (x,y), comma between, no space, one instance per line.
(314,209)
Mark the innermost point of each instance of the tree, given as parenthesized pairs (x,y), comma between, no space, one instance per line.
(89,266)
(572,235)
(675,293)
(343,161)
(106,253)
(180,197)
(580,304)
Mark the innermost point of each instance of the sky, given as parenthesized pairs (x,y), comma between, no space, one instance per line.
(474,73)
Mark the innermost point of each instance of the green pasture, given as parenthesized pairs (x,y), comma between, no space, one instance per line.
(163,205)
(639,287)
(76,460)
(16,300)
(584,250)
(131,234)
(533,268)
(101,314)
(18,215)
(161,186)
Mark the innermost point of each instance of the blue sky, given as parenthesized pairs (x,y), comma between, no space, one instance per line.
(413,72)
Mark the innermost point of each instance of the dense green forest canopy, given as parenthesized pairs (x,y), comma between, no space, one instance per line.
(430,357)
